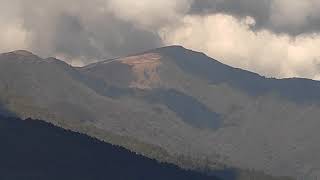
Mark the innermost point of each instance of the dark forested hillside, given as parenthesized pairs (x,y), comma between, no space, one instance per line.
(37,150)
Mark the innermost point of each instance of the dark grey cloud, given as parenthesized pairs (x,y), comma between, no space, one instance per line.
(77,30)
(284,16)
(103,38)
(259,9)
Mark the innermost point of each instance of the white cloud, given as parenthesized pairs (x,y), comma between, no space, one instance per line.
(12,37)
(231,41)
(12,34)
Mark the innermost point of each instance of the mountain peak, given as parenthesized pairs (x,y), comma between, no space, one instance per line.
(20,54)
(177,50)
(23,53)
(172,47)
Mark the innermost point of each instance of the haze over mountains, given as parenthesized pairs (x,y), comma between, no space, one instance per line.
(175,105)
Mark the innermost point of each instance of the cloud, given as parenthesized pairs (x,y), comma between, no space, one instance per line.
(78,30)
(295,17)
(271,37)
(149,13)
(232,41)
(280,16)
(12,34)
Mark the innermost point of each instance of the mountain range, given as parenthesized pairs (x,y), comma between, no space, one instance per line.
(174,105)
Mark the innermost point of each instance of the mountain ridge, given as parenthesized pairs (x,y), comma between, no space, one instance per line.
(178,100)
(29,53)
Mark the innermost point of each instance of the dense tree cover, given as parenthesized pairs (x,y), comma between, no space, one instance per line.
(37,150)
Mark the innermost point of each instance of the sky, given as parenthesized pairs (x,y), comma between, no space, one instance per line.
(276,38)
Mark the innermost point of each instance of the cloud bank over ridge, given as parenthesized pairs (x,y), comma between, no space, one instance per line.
(274,38)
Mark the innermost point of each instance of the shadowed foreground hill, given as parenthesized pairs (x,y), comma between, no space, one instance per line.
(37,150)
